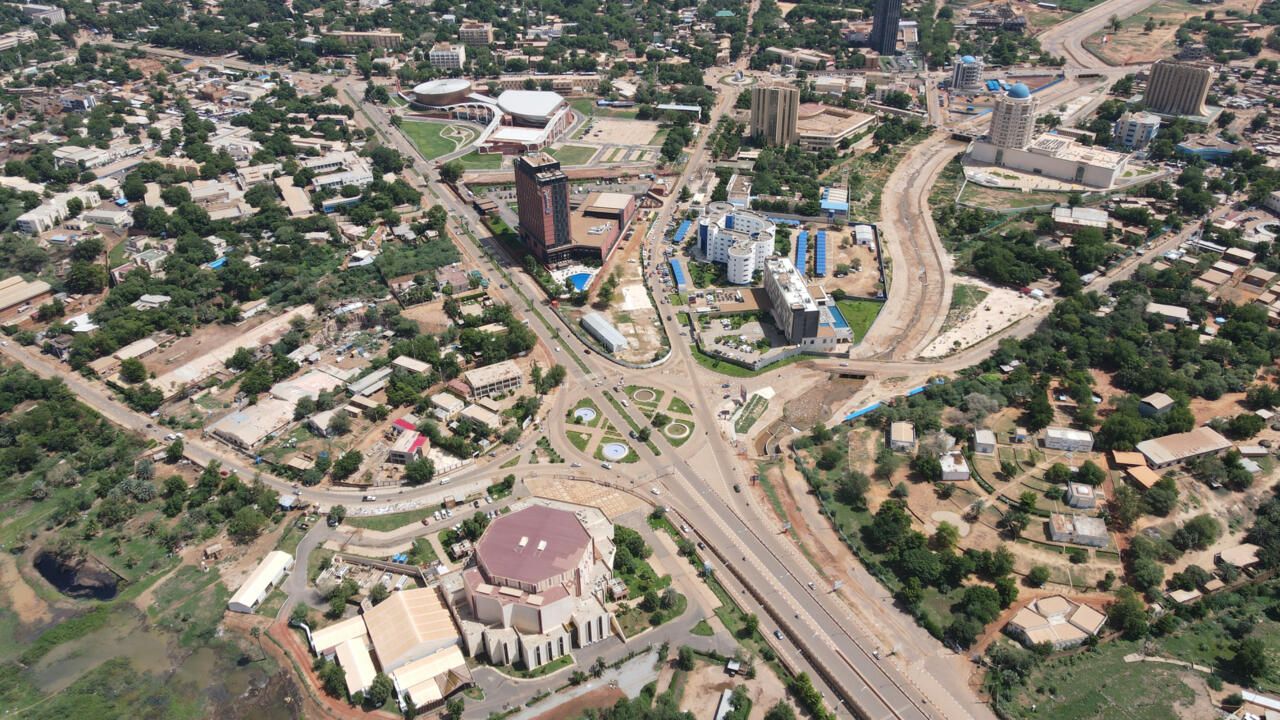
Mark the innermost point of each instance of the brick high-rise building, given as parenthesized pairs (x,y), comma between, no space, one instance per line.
(542,201)
(775,111)
(1178,88)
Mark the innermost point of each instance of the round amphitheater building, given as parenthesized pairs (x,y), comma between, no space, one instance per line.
(442,92)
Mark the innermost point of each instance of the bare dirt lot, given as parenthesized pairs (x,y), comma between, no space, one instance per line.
(706,683)
(610,131)
(594,700)
(999,309)
(1135,44)
(613,503)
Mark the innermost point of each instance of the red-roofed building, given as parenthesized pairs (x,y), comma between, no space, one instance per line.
(407,448)
(537,587)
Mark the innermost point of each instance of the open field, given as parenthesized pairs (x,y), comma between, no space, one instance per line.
(573,154)
(436,139)
(1133,43)
(476,161)
(587,106)
(976,195)
(860,314)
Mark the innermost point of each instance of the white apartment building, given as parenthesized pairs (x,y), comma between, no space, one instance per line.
(740,239)
(447,57)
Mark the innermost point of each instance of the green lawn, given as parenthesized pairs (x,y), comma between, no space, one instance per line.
(585,403)
(630,391)
(1100,685)
(429,139)
(678,441)
(573,154)
(702,629)
(559,663)
(390,521)
(579,440)
(679,406)
(476,161)
(587,106)
(860,314)
(754,408)
(631,457)
(725,367)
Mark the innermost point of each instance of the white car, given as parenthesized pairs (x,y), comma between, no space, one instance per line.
(656,491)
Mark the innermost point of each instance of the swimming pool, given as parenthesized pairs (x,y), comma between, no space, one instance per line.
(837,317)
(580,281)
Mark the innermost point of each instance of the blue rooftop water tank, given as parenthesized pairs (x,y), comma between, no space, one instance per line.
(1020,91)
(968,59)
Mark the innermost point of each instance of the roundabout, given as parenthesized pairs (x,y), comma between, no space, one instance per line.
(644,395)
(677,430)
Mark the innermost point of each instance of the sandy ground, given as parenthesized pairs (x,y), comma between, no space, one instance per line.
(613,503)
(999,309)
(1134,45)
(613,131)
(204,361)
(596,699)
(20,598)
(707,682)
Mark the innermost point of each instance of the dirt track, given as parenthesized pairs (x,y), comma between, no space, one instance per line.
(920,283)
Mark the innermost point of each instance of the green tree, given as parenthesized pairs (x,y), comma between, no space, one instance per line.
(684,658)
(1250,661)
(1038,576)
(1039,412)
(246,525)
(1127,614)
(780,711)
(347,465)
(174,452)
(132,371)
(451,172)
(419,472)
(379,691)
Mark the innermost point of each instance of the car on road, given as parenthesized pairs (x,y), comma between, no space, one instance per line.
(655,491)
(778,634)
(370,498)
(606,466)
(737,488)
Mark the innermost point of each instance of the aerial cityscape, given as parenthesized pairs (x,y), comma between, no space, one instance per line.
(880,359)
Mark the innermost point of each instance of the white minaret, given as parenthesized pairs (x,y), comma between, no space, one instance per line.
(1013,122)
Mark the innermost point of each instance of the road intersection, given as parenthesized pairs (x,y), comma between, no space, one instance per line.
(835,636)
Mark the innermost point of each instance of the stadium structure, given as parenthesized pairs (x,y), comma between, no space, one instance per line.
(515,122)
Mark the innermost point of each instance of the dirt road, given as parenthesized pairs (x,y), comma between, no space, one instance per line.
(920,287)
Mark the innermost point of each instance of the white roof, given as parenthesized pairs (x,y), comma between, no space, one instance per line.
(1068,434)
(353,657)
(529,103)
(135,349)
(1180,446)
(255,586)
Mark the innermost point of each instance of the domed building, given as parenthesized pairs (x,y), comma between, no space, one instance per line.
(538,585)
(1013,121)
(442,92)
(966,73)
(1012,143)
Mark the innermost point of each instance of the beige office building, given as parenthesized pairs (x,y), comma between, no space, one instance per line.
(1178,88)
(1013,122)
(775,111)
